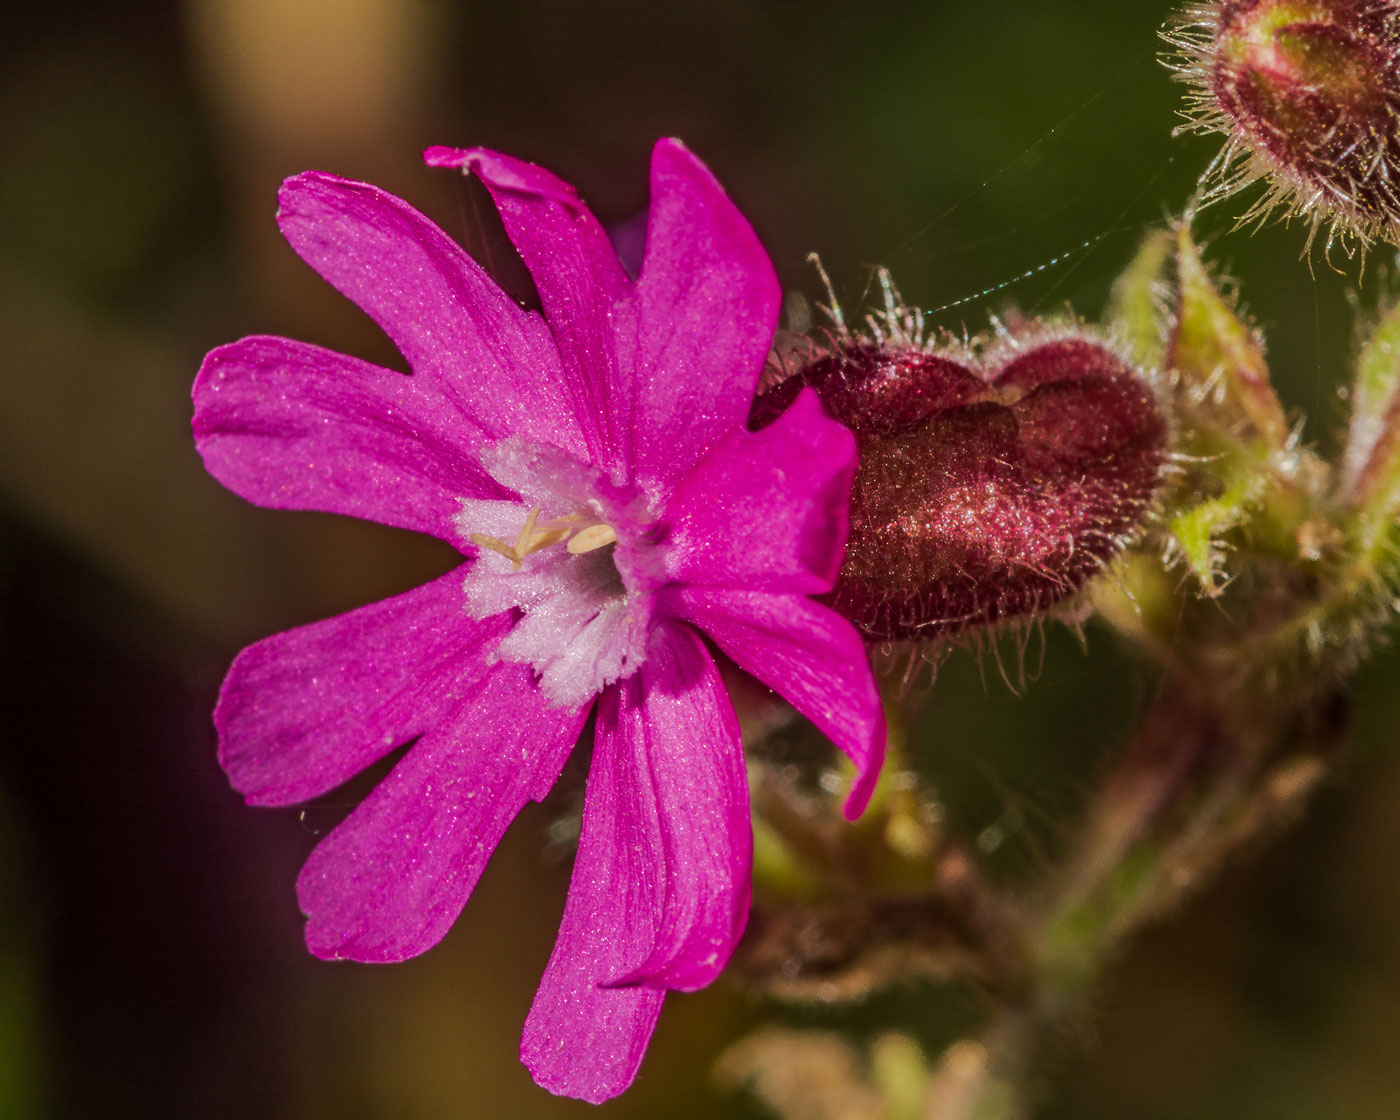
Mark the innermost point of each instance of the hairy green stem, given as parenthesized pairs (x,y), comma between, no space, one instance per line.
(1218,760)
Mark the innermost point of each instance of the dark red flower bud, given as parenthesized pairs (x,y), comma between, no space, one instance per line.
(1307,93)
(987,490)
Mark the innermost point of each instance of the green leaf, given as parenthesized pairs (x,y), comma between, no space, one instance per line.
(1371,461)
(900,1071)
(1199,530)
(1217,355)
(1135,308)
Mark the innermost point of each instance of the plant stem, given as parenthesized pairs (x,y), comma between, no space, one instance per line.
(1206,774)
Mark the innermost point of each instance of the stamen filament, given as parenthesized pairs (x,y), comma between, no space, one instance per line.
(536,535)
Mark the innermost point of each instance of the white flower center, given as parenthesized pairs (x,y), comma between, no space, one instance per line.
(578,533)
(582,627)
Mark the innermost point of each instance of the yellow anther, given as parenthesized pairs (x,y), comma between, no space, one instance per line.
(536,535)
(595,536)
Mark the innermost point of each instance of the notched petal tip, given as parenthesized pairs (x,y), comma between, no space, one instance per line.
(675,169)
(440,155)
(308,189)
(211,372)
(503,172)
(670,155)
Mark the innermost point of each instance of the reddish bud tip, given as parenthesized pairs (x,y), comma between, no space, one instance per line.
(986,491)
(1307,93)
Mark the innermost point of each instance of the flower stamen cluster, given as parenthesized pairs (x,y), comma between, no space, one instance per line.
(574,530)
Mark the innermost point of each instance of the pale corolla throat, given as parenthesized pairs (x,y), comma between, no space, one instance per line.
(576,531)
(557,554)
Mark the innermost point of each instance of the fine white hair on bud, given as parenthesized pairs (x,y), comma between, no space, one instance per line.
(1307,96)
(996,477)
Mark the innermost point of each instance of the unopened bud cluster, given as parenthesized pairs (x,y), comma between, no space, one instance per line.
(1307,94)
(994,480)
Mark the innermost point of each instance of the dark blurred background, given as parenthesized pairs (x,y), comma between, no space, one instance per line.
(150,955)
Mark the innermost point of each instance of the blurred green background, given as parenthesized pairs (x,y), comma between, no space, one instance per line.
(150,955)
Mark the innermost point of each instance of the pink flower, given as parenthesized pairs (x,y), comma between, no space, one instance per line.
(594,466)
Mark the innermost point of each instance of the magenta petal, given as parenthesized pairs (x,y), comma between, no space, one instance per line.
(292,426)
(686,765)
(391,879)
(301,712)
(708,301)
(450,320)
(586,295)
(810,656)
(660,889)
(767,510)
